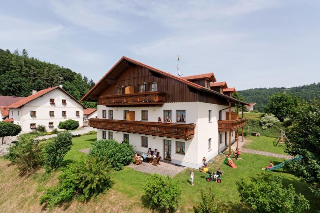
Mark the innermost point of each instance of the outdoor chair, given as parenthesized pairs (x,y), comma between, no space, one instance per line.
(156,161)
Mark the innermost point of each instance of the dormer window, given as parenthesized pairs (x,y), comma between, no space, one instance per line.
(52,101)
(64,102)
(33,113)
(153,87)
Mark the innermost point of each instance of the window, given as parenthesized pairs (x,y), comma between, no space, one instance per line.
(77,113)
(153,87)
(180,147)
(167,116)
(209,144)
(220,135)
(210,115)
(142,88)
(18,113)
(33,126)
(104,135)
(51,113)
(110,135)
(144,141)
(144,115)
(125,112)
(104,113)
(181,115)
(12,113)
(64,102)
(64,113)
(50,125)
(125,137)
(110,116)
(51,101)
(119,90)
(32,113)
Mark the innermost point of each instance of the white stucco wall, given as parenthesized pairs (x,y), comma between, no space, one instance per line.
(42,107)
(0,116)
(196,148)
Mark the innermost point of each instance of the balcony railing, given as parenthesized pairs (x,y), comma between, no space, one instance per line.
(231,125)
(134,99)
(170,130)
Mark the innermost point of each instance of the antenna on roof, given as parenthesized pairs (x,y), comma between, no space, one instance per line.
(179,73)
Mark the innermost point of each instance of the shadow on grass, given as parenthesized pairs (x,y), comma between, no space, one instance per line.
(65,163)
(237,208)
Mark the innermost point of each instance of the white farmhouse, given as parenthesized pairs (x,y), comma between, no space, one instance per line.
(184,118)
(47,108)
(89,113)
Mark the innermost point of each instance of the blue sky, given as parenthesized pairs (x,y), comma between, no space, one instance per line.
(248,43)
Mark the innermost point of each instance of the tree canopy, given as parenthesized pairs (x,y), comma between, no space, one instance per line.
(20,74)
(261,96)
(304,135)
(8,129)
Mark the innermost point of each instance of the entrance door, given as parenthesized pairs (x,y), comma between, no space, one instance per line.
(167,149)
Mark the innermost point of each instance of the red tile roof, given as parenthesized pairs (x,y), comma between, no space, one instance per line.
(8,100)
(219,84)
(38,95)
(232,89)
(8,120)
(191,84)
(4,111)
(89,111)
(200,76)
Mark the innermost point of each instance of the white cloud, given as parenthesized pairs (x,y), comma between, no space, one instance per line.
(14,29)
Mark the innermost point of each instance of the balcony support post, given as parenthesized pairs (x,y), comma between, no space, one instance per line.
(237,138)
(229,131)
(242,127)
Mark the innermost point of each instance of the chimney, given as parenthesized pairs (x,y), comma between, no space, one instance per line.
(34,92)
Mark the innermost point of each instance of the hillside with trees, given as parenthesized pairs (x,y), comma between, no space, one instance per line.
(261,96)
(20,74)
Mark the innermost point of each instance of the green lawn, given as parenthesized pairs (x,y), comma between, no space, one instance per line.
(129,182)
(263,143)
(252,116)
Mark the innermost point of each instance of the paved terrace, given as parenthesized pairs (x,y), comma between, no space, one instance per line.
(163,169)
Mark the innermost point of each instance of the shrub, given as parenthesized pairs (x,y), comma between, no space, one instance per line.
(162,193)
(41,128)
(26,154)
(80,180)
(56,150)
(69,124)
(208,203)
(8,129)
(268,120)
(55,131)
(267,194)
(117,154)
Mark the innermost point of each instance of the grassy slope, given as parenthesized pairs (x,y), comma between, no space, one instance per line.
(21,194)
(263,143)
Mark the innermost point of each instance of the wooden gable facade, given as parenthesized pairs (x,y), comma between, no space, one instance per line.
(129,75)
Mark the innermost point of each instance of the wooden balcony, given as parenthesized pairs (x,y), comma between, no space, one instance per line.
(170,130)
(135,99)
(231,125)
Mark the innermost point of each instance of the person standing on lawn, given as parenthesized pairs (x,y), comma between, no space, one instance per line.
(191,177)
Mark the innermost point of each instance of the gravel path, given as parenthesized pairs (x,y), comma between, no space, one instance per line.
(266,153)
(163,169)
(74,133)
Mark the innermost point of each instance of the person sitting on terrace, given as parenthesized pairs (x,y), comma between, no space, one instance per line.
(149,151)
(168,120)
(137,157)
(218,174)
(159,119)
(155,154)
(204,162)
